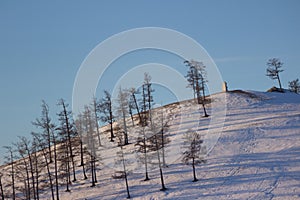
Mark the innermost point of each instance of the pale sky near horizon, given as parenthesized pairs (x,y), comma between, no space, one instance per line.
(43,43)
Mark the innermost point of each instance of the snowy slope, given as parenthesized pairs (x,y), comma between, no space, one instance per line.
(256,155)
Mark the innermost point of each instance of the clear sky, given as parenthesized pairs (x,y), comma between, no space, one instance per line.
(43,43)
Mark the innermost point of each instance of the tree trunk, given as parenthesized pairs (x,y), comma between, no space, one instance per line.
(203,98)
(96,121)
(27,178)
(13,176)
(95,170)
(92,171)
(32,172)
(144,121)
(81,153)
(82,160)
(204,110)
(131,116)
(69,140)
(279,82)
(55,167)
(125,130)
(145,155)
(149,104)
(163,187)
(111,123)
(111,131)
(49,174)
(163,141)
(125,173)
(36,175)
(137,107)
(194,171)
(67,169)
(1,188)
(49,142)
(127,187)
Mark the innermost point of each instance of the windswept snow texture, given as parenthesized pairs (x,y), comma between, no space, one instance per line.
(256,157)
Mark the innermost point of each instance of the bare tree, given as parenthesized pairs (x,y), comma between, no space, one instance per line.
(194,150)
(80,130)
(273,70)
(143,105)
(191,79)
(122,160)
(45,140)
(64,160)
(131,107)
(44,123)
(163,139)
(105,108)
(143,148)
(95,109)
(163,187)
(67,129)
(147,100)
(89,127)
(196,78)
(294,86)
(149,90)
(122,111)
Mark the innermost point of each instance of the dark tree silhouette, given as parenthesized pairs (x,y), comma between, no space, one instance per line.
(105,108)
(196,78)
(44,123)
(273,70)
(67,131)
(194,150)
(294,86)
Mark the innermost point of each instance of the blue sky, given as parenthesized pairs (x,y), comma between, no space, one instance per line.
(43,43)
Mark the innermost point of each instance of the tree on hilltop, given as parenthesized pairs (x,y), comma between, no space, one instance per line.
(294,86)
(196,77)
(273,70)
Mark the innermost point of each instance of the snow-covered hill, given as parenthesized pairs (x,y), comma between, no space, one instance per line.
(255,155)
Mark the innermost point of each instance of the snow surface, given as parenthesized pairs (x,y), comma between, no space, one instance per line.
(255,156)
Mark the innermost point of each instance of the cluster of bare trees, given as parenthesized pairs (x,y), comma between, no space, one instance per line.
(196,77)
(50,159)
(47,160)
